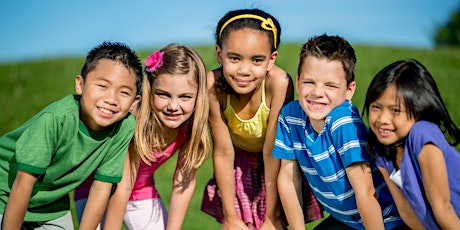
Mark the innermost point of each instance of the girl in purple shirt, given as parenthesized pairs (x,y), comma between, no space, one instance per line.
(408,120)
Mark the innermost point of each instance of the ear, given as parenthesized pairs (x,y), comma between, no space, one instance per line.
(351,90)
(272,60)
(134,106)
(218,53)
(79,84)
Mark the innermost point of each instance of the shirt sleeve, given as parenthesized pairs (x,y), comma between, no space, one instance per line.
(283,148)
(36,145)
(422,133)
(349,134)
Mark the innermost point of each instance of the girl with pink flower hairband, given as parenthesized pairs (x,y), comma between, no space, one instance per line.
(172,118)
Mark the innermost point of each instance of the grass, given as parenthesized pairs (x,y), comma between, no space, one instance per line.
(27,87)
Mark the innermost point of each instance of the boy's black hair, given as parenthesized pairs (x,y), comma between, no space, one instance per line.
(114,51)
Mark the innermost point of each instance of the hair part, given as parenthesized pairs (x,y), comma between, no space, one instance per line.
(417,90)
(225,26)
(177,60)
(117,52)
(334,48)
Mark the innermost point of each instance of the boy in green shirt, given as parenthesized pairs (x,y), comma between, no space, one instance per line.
(78,136)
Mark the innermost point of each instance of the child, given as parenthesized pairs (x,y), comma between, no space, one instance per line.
(82,134)
(172,117)
(407,119)
(246,95)
(324,133)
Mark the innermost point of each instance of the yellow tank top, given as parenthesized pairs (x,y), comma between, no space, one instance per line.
(248,134)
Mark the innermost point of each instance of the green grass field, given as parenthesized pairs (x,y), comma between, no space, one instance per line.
(27,87)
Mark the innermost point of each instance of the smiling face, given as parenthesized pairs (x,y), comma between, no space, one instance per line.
(388,117)
(108,93)
(174,98)
(246,57)
(321,86)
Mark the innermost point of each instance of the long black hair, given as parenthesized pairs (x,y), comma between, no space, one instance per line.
(417,89)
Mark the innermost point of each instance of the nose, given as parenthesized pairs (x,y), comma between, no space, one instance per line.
(318,90)
(173,105)
(383,117)
(244,68)
(111,97)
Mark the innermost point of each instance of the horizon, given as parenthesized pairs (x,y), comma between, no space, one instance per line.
(53,28)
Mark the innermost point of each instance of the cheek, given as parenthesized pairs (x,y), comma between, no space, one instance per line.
(159,103)
(189,107)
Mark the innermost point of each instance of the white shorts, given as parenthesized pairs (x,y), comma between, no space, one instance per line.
(140,214)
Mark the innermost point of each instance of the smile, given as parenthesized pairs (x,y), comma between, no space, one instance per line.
(106,111)
(317,106)
(384,132)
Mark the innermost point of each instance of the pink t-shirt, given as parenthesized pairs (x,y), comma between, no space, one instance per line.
(144,187)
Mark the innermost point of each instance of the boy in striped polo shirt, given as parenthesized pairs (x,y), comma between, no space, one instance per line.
(324,133)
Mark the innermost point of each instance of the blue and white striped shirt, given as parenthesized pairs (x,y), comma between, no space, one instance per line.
(324,157)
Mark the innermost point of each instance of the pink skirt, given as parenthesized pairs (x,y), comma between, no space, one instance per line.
(250,197)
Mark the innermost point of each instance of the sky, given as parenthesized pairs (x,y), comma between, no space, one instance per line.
(53,28)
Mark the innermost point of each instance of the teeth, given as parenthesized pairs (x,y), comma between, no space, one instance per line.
(384,131)
(317,105)
(106,111)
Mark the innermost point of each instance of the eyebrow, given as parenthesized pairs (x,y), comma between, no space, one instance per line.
(110,82)
(239,55)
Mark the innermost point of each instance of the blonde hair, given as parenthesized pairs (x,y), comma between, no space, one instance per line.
(177,59)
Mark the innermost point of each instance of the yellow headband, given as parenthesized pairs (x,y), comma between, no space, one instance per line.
(266,24)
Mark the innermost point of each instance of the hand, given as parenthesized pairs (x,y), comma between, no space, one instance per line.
(273,224)
(231,224)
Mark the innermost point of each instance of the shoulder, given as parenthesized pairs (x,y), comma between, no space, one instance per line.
(64,108)
(276,78)
(129,121)
(423,132)
(423,127)
(216,95)
(346,109)
(293,109)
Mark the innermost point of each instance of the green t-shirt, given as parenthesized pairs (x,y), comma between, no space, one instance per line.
(56,145)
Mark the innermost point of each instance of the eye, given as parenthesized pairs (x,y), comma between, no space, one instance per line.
(258,60)
(101,86)
(374,107)
(126,93)
(234,59)
(162,95)
(395,111)
(332,86)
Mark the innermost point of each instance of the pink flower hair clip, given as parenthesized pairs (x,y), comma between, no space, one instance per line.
(154,61)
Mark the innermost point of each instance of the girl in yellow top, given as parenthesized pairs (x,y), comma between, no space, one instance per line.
(246,94)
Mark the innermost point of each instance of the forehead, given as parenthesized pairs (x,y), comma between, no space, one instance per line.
(247,39)
(176,82)
(321,67)
(114,72)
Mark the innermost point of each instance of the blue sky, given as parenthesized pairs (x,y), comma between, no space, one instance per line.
(50,28)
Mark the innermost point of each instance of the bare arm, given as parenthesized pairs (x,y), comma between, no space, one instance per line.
(117,204)
(404,209)
(181,194)
(434,174)
(96,205)
(360,177)
(281,89)
(223,157)
(18,200)
(289,185)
